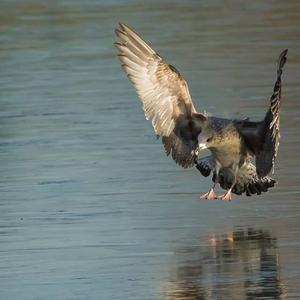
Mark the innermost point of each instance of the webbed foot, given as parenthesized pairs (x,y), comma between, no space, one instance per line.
(226,197)
(210,195)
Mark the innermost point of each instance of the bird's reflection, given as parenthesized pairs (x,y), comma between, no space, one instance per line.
(242,264)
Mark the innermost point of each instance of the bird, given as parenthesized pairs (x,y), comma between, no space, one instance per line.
(242,152)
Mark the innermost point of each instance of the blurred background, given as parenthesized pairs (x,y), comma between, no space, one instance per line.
(90,206)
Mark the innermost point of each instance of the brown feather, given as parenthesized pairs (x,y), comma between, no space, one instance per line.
(164,94)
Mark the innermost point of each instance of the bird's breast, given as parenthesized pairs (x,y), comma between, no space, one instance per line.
(229,151)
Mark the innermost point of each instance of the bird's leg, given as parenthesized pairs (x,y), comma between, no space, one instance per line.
(227,196)
(210,195)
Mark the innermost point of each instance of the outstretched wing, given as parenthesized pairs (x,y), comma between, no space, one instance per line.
(262,138)
(164,94)
(265,157)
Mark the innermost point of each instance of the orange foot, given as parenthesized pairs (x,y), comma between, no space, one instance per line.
(226,197)
(210,195)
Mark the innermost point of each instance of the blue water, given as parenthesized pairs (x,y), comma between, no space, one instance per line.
(90,207)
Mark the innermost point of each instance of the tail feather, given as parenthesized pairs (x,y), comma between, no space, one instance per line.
(247,181)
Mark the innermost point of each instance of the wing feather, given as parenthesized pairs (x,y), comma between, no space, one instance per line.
(164,94)
(262,138)
(206,165)
(269,131)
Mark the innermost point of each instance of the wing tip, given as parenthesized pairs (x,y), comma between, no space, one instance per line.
(122,25)
(284,52)
(124,29)
(281,61)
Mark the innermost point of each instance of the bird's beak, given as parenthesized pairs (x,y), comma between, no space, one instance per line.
(201,142)
(202,146)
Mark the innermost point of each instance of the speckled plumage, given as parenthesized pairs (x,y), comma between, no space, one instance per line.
(184,131)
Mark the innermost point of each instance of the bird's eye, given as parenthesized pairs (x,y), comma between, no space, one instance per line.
(209,140)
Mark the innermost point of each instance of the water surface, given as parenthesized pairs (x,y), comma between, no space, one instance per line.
(90,206)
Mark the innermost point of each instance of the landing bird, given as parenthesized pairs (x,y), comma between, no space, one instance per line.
(233,144)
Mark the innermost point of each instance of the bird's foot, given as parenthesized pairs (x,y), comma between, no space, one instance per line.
(210,195)
(226,197)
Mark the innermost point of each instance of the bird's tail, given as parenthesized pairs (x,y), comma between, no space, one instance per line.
(246,180)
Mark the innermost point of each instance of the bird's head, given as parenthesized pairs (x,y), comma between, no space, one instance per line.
(206,138)
(210,135)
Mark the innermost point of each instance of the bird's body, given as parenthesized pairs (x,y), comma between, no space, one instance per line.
(185,132)
(231,159)
(226,144)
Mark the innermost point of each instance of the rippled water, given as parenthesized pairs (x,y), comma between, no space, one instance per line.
(90,207)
